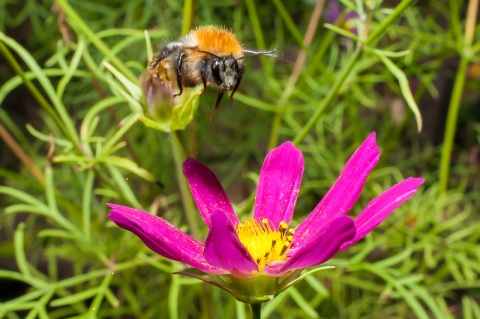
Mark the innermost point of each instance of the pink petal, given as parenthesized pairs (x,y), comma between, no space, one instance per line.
(207,191)
(381,206)
(322,246)
(344,193)
(279,183)
(162,237)
(223,248)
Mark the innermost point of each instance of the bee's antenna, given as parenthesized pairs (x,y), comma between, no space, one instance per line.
(256,53)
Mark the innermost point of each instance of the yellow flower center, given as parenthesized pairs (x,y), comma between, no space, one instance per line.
(265,243)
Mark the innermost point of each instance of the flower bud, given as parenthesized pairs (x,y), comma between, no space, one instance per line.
(162,111)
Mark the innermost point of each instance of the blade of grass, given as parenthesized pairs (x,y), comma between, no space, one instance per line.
(61,119)
(77,23)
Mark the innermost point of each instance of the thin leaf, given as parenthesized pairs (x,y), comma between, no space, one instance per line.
(404,87)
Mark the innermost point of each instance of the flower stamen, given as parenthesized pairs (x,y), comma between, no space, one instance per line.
(265,243)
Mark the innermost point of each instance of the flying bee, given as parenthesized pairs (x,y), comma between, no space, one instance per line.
(208,56)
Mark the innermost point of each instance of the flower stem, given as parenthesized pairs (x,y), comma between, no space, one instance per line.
(348,68)
(386,23)
(187,16)
(294,76)
(456,98)
(179,156)
(256,310)
(62,124)
(81,27)
(329,98)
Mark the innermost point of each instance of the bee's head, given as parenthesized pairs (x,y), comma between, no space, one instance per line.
(227,72)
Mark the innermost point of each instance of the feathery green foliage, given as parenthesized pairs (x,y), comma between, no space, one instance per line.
(73,140)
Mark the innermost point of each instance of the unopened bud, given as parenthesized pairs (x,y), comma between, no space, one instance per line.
(162,111)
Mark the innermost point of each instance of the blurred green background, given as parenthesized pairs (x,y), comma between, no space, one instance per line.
(71,141)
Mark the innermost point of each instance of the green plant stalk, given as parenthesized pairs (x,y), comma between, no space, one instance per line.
(451,125)
(346,71)
(455,101)
(187,201)
(257,32)
(187,16)
(58,113)
(255,21)
(329,98)
(297,68)
(33,89)
(256,310)
(173,298)
(100,296)
(20,257)
(21,154)
(99,44)
(378,31)
(275,129)
(86,205)
(54,213)
(290,24)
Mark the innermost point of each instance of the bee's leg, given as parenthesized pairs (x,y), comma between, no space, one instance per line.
(215,107)
(153,63)
(236,86)
(239,71)
(202,74)
(179,74)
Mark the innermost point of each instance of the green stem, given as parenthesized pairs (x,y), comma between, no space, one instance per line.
(299,65)
(456,98)
(451,126)
(187,16)
(256,310)
(188,205)
(346,71)
(329,98)
(76,22)
(182,143)
(36,93)
(255,21)
(257,32)
(388,21)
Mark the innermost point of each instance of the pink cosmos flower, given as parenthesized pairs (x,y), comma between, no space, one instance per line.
(265,245)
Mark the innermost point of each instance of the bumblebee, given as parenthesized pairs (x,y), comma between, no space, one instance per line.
(208,56)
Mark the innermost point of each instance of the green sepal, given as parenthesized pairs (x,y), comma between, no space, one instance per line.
(174,118)
(256,289)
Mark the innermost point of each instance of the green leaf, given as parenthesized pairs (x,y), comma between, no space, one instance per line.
(404,87)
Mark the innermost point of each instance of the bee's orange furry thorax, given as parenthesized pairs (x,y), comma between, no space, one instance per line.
(218,41)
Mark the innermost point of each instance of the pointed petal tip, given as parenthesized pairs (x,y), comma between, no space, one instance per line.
(189,163)
(417,180)
(382,206)
(112,206)
(371,139)
(288,147)
(162,237)
(370,142)
(279,184)
(287,144)
(122,210)
(346,190)
(207,191)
